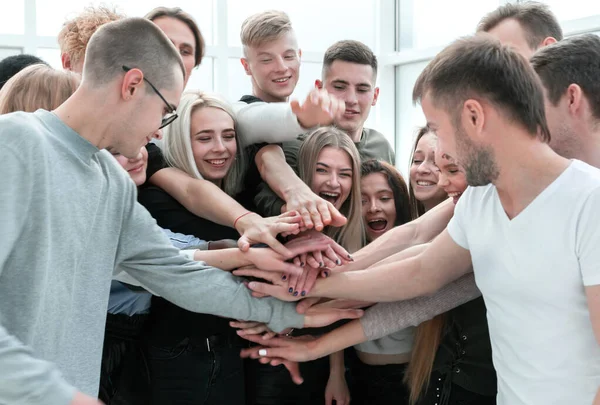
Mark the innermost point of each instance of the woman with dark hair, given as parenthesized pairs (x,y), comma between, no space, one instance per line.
(385,198)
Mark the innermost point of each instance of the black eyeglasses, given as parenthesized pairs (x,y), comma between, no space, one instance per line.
(172,115)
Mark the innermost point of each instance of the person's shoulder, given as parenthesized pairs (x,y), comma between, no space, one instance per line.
(477,196)
(585,173)
(21,128)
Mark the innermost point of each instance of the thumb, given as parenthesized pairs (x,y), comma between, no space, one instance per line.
(243,243)
(337,219)
(296,107)
(306,303)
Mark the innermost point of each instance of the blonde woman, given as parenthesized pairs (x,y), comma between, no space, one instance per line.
(37,86)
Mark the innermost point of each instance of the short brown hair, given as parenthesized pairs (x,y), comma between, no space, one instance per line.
(187,19)
(573,60)
(75,34)
(349,51)
(480,66)
(264,27)
(537,21)
(135,43)
(37,86)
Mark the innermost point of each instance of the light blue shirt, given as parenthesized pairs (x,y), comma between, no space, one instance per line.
(124,300)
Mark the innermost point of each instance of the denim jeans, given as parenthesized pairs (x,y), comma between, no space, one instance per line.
(268,385)
(189,374)
(124,375)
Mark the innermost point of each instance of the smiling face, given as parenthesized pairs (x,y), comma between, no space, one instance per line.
(213,142)
(451,174)
(136,167)
(274,67)
(424,173)
(378,205)
(332,178)
(353,83)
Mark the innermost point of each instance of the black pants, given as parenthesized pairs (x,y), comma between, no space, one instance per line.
(124,373)
(443,392)
(268,385)
(375,385)
(197,372)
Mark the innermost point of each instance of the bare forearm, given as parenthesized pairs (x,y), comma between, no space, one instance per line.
(338,339)
(405,254)
(389,317)
(224,259)
(200,197)
(388,282)
(275,171)
(336,363)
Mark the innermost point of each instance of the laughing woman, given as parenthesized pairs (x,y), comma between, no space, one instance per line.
(329,164)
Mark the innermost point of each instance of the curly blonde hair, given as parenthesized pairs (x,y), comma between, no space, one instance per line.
(75,34)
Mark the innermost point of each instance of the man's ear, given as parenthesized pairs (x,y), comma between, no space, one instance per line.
(548,41)
(132,84)
(473,118)
(375,96)
(246,66)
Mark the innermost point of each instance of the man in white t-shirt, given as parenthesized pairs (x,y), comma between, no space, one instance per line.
(527,226)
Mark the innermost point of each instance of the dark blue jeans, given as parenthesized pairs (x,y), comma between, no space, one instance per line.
(189,374)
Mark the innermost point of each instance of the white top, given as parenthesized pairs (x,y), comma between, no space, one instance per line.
(532,271)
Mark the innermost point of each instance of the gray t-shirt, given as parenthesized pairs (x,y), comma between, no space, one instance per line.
(69,220)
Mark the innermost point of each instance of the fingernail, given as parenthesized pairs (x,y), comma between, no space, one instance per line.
(295,293)
(284,277)
(303,293)
(302,264)
(321,264)
(338,262)
(291,290)
(262,352)
(349,257)
(326,274)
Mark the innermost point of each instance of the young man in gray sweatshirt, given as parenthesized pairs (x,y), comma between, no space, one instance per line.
(69,220)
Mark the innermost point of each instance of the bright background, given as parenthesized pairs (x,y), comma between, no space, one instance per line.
(405,34)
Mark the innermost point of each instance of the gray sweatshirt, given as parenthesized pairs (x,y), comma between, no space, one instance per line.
(69,220)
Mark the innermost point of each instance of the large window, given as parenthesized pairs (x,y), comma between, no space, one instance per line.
(425,26)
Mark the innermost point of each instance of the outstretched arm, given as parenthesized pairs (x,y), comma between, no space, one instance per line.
(442,262)
(421,230)
(206,200)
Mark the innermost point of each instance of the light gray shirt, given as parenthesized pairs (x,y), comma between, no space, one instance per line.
(69,220)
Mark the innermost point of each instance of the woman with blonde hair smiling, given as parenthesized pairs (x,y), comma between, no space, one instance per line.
(37,86)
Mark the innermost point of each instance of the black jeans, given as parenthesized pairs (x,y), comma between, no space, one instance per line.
(375,385)
(194,373)
(268,385)
(124,373)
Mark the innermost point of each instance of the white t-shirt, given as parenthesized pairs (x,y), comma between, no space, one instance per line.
(532,271)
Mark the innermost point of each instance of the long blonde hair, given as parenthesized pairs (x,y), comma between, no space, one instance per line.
(352,235)
(428,335)
(37,86)
(177,144)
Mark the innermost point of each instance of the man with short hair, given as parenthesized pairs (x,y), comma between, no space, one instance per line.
(62,194)
(271,55)
(526,224)
(527,26)
(349,73)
